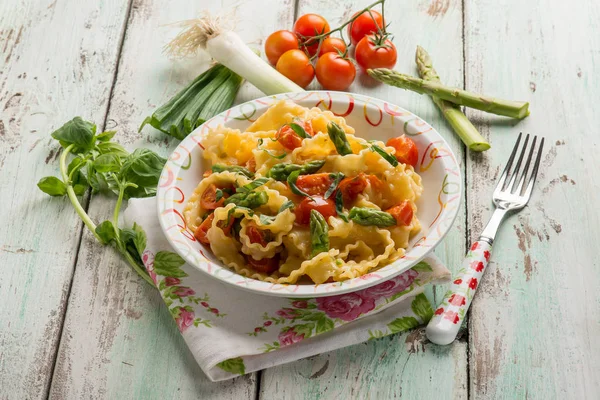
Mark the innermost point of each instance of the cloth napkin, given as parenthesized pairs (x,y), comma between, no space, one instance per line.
(232,332)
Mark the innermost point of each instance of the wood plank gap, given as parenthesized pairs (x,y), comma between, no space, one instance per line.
(296,8)
(86,207)
(259,375)
(118,61)
(465,336)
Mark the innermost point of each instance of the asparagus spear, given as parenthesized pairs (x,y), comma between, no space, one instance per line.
(459,122)
(513,109)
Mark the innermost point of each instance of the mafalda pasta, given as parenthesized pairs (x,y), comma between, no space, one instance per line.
(299,198)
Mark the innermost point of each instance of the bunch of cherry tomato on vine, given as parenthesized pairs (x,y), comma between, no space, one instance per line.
(293,52)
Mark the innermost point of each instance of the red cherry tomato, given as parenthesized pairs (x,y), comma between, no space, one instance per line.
(201,231)
(296,65)
(352,187)
(265,266)
(335,72)
(308,26)
(405,150)
(332,44)
(324,206)
(257,235)
(251,164)
(278,43)
(375,52)
(403,213)
(364,25)
(315,184)
(290,139)
(209,201)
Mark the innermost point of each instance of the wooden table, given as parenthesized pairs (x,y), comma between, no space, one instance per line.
(77,322)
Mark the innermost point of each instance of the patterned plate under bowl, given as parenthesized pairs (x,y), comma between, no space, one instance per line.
(372,119)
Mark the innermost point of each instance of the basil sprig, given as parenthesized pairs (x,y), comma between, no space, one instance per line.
(298,130)
(100,164)
(246,196)
(337,178)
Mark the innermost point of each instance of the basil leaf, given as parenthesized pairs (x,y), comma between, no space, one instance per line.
(285,206)
(371,217)
(111,147)
(319,237)
(167,263)
(298,130)
(233,168)
(252,185)
(339,206)
(388,157)
(79,189)
(77,132)
(291,180)
(106,232)
(337,178)
(53,186)
(266,219)
(140,238)
(142,168)
(109,162)
(338,137)
(106,136)
(270,153)
(218,194)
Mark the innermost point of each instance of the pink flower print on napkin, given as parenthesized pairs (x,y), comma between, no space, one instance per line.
(185,319)
(300,304)
(148,260)
(391,286)
(289,336)
(439,311)
(170,281)
(346,307)
(475,246)
(183,291)
(288,313)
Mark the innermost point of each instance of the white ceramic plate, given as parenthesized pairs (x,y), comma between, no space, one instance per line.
(372,119)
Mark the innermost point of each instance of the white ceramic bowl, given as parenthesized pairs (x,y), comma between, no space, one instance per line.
(372,119)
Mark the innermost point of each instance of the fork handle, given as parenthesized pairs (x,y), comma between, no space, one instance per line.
(446,321)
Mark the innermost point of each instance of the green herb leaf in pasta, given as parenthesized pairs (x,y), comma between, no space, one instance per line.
(338,137)
(252,185)
(371,217)
(233,168)
(298,130)
(270,153)
(387,156)
(285,206)
(337,178)
(291,180)
(339,206)
(319,237)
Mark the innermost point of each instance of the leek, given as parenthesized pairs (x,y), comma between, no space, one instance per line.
(227,48)
(208,95)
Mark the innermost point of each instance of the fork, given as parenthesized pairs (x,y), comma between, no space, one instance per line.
(447,318)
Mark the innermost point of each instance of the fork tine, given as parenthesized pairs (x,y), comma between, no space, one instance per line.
(502,179)
(524,175)
(535,171)
(513,177)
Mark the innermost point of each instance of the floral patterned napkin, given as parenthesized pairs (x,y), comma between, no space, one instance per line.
(232,332)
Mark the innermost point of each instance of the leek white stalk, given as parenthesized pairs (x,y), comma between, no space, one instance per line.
(227,48)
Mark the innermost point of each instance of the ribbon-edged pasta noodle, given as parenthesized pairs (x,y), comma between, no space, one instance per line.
(299,198)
